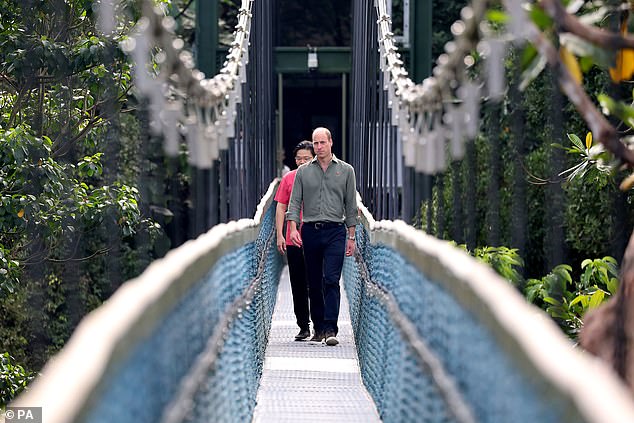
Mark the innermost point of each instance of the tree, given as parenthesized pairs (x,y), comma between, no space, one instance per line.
(64,206)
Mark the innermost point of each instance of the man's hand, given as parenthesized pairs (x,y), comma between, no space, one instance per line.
(350,246)
(296,237)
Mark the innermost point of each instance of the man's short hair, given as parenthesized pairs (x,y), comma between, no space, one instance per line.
(324,130)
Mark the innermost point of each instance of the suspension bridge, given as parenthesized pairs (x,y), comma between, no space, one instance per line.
(428,333)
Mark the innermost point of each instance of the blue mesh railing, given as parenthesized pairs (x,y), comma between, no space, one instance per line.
(442,338)
(185,340)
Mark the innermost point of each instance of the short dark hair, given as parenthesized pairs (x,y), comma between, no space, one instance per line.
(304,145)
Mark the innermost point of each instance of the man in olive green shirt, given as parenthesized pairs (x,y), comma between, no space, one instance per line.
(326,189)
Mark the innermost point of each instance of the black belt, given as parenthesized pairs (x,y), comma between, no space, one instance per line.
(324,225)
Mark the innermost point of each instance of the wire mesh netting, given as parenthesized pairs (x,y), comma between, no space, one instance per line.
(156,379)
(466,373)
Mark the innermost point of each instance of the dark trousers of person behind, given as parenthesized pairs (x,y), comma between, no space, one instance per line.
(299,285)
(324,250)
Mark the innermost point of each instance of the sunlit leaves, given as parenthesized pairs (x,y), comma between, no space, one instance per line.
(529,53)
(602,272)
(13,378)
(91,166)
(505,261)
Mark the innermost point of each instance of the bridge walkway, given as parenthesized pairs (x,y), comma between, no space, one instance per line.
(305,381)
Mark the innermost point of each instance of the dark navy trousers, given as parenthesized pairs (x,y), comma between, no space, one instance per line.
(299,285)
(324,250)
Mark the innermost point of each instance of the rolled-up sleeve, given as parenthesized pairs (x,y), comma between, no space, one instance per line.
(350,199)
(295,203)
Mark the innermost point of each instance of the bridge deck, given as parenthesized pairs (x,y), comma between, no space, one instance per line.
(309,381)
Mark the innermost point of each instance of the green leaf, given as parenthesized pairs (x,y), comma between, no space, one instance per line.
(539,17)
(497,16)
(583,299)
(596,299)
(557,312)
(621,110)
(576,141)
(551,300)
(613,285)
(586,63)
(528,55)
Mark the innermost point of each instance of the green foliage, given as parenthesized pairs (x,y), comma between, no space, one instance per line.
(552,294)
(13,379)
(54,70)
(591,225)
(559,294)
(429,206)
(600,273)
(70,160)
(15,317)
(9,271)
(567,300)
(505,261)
(575,193)
(589,215)
(48,199)
(550,287)
(55,319)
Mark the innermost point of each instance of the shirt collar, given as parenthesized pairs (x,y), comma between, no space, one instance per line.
(334,159)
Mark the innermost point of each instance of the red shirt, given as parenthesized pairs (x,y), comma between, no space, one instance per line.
(283,196)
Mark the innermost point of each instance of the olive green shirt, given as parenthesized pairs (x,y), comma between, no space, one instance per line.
(329,196)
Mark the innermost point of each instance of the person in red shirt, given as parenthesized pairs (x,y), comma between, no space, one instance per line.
(303,153)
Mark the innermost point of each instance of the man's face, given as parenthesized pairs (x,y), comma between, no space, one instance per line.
(322,145)
(303,156)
